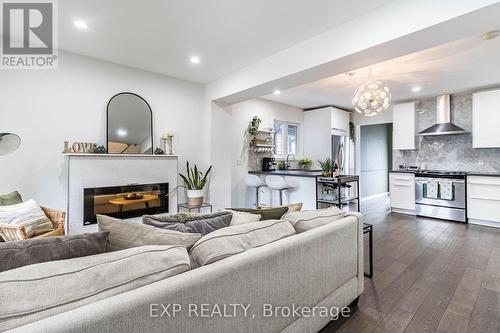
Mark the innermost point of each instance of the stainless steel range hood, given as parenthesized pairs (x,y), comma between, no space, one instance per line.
(443,126)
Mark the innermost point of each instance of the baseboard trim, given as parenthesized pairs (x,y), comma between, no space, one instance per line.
(484,223)
(375,196)
(403,211)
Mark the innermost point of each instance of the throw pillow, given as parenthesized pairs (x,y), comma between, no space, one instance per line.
(39,291)
(186,222)
(232,240)
(295,207)
(310,219)
(124,235)
(10,199)
(274,213)
(27,215)
(243,217)
(34,251)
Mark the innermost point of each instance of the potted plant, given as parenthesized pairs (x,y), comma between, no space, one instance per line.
(326,166)
(305,163)
(253,127)
(195,182)
(281,165)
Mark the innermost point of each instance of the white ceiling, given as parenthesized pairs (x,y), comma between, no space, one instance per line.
(227,35)
(462,65)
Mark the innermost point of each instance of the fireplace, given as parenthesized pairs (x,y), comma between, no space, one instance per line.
(124,201)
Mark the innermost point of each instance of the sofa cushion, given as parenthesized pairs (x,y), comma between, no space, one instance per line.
(310,219)
(187,222)
(10,199)
(232,240)
(27,215)
(124,235)
(243,217)
(34,251)
(42,290)
(274,213)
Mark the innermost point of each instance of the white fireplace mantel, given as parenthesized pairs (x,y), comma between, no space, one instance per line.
(100,170)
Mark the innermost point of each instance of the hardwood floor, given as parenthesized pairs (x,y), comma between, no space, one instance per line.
(429,276)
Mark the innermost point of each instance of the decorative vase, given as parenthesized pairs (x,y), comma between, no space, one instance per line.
(327,173)
(195,197)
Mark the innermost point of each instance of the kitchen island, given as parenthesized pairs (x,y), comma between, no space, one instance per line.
(304,183)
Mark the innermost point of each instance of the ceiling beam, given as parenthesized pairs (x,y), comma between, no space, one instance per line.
(396,29)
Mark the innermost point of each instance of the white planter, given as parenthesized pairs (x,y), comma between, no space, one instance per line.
(195,197)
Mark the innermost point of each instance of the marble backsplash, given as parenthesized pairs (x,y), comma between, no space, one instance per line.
(448,152)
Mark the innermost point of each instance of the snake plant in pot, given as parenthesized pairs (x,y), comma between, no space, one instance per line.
(195,182)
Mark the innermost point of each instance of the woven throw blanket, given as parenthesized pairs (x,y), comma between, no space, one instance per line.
(186,217)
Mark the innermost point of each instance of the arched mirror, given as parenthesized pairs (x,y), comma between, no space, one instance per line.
(9,143)
(130,125)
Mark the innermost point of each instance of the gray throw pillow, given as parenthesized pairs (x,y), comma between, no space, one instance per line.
(124,234)
(190,223)
(34,251)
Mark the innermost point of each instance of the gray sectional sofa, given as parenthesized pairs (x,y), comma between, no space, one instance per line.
(322,267)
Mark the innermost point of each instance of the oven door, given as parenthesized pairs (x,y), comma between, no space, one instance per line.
(458,200)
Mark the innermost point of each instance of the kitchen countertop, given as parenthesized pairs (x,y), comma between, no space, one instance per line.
(403,171)
(294,173)
(487,174)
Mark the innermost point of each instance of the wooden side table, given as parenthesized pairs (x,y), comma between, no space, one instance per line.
(190,208)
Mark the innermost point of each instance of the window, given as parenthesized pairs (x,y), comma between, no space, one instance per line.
(286,138)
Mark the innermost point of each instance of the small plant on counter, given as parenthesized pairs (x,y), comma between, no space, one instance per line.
(326,166)
(305,163)
(281,165)
(253,127)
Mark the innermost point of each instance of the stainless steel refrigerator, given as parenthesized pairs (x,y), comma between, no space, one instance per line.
(340,153)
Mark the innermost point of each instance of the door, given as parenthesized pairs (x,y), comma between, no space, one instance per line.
(375,159)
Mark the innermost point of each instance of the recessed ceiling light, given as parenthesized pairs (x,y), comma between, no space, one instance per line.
(416,88)
(121,132)
(277,92)
(81,25)
(194,60)
(490,35)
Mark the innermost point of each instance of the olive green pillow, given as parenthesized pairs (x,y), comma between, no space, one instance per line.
(266,213)
(10,199)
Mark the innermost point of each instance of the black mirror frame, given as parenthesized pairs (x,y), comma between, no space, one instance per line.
(107,121)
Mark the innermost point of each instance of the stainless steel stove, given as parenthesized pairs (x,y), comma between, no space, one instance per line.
(441,194)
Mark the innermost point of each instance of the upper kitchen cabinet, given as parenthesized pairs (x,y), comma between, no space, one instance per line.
(319,126)
(486,119)
(403,127)
(339,122)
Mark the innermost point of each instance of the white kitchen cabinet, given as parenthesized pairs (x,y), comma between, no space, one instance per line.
(402,192)
(403,126)
(318,127)
(339,122)
(486,119)
(483,200)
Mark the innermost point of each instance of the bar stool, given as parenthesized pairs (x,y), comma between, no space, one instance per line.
(278,183)
(255,181)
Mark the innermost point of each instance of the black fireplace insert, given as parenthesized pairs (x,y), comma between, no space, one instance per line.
(124,201)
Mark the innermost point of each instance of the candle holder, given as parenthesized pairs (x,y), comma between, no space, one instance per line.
(167,143)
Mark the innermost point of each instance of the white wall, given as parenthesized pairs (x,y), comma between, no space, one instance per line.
(242,113)
(48,107)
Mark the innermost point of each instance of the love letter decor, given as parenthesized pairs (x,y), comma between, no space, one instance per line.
(79,147)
